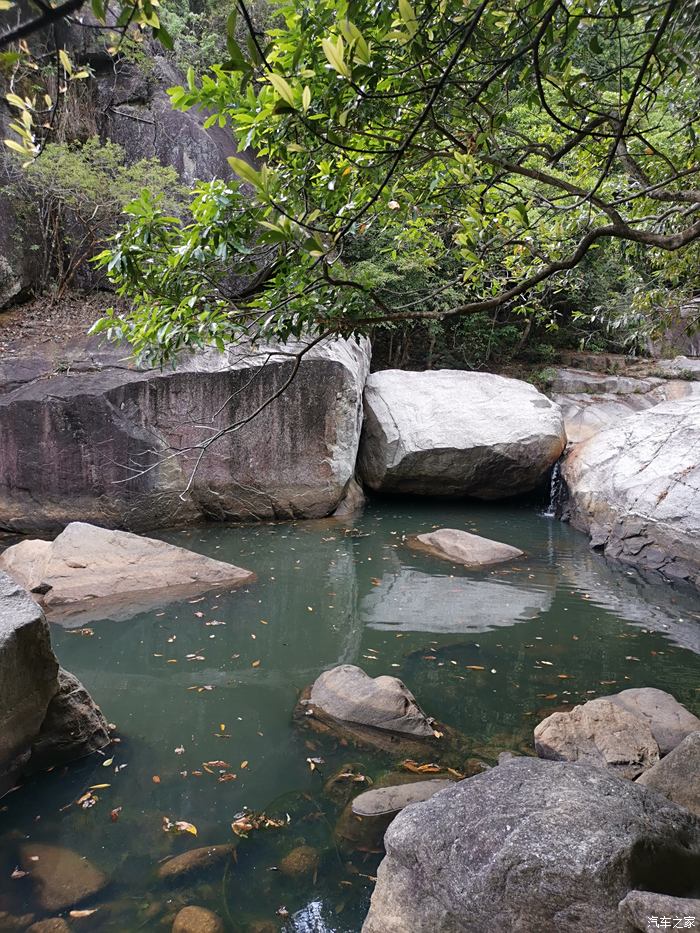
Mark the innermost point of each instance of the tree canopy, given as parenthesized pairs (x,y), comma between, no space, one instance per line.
(495,143)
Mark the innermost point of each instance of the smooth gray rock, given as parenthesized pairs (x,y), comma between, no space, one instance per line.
(28,678)
(635,488)
(73,728)
(639,907)
(677,776)
(462,547)
(530,845)
(670,722)
(452,433)
(598,733)
(348,694)
(386,801)
(88,571)
(76,442)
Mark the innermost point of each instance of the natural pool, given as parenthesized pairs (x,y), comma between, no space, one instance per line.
(558,626)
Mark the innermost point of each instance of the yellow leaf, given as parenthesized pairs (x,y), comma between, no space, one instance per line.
(306,98)
(15,100)
(65,61)
(6,5)
(255,664)
(79,914)
(11,144)
(335,55)
(182,826)
(283,88)
(99,786)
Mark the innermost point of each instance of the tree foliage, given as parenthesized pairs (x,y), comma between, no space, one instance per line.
(498,143)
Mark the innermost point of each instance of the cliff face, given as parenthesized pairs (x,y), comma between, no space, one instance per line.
(126,102)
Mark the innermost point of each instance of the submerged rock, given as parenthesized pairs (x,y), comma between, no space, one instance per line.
(28,678)
(635,488)
(462,547)
(598,733)
(348,694)
(197,920)
(531,845)
(61,878)
(677,776)
(452,433)
(53,925)
(88,572)
(195,860)
(670,722)
(303,860)
(364,821)
(115,464)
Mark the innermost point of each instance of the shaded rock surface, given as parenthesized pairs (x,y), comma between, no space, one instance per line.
(52,925)
(28,678)
(299,862)
(72,728)
(670,722)
(197,920)
(531,845)
(451,433)
(677,776)
(348,694)
(462,547)
(599,733)
(75,439)
(180,866)
(61,878)
(639,906)
(635,488)
(102,568)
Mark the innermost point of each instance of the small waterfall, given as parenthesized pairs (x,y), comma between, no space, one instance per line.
(555,491)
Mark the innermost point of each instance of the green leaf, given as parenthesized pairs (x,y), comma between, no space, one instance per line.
(306,98)
(283,88)
(245,171)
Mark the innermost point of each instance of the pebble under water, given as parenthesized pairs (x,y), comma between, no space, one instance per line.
(215,679)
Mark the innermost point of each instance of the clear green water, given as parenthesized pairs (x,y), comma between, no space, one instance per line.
(328,597)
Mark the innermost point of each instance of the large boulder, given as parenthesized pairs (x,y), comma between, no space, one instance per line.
(531,845)
(28,678)
(348,694)
(88,571)
(598,733)
(677,776)
(95,440)
(670,722)
(644,910)
(61,878)
(452,433)
(462,547)
(634,489)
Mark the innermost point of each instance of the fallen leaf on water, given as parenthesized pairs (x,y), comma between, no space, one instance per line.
(156,779)
(375,581)
(474,667)
(564,676)
(87,800)
(18,873)
(217,764)
(437,734)
(180,750)
(244,764)
(79,914)
(200,615)
(607,683)
(456,774)
(227,776)
(255,664)
(415,768)
(99,786)
(178,826)
(548,663)
(107,763)
(114,815)
(313,763)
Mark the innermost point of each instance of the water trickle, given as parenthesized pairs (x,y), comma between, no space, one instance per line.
(555,491)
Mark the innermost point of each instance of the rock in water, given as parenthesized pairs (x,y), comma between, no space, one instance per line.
(61,877)
(451,433)
(303,860)
(461,547)
(73,727)
(197,920)
(677,776)
(635,488)
(599,733)
(530,845)
(187,863)
(348,694)
(293,458)
(28,678)
(88,571)
(670,722)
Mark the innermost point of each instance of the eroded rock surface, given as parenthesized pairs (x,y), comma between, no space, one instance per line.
(599,733)
(452,433)
(531,845)
(635,488)
(95,439)
(640,906)
(462,547)
(670,722)
(348,694)
(86,571)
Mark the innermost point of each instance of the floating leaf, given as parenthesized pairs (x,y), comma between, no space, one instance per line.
(79,914)
(114,814)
